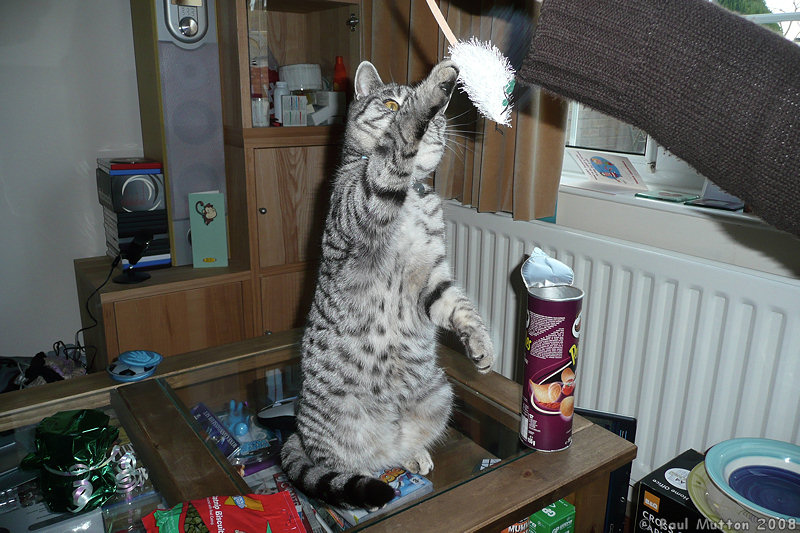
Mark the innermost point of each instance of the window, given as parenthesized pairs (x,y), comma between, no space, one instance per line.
(592,130)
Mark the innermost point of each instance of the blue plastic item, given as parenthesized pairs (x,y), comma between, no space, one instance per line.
(140,358)
(126,373)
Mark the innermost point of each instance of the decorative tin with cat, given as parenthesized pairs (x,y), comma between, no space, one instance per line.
(373,396)
(551,353)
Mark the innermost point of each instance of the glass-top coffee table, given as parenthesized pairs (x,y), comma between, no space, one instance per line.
(186,464)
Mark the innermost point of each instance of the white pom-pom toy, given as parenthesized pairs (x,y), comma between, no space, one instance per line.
(485,74)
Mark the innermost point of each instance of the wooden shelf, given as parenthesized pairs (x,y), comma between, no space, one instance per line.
(308,6)
(283,137)
(92,271)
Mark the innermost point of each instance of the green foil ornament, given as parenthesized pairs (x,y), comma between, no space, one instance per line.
(72,452)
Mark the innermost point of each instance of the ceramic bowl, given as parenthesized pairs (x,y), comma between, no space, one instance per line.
(716,506)
(761,475)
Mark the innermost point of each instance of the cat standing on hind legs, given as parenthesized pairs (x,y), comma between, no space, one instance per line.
(373,396)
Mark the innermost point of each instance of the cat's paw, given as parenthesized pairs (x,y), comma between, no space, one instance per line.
(441,82)
(422,464)
(480,350)
(446,75)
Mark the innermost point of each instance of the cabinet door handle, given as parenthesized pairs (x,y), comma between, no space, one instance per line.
(352,22)
(262,210)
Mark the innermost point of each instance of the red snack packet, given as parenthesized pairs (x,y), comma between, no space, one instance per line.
(216,514)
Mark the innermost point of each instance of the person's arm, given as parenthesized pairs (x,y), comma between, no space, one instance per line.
(714,89)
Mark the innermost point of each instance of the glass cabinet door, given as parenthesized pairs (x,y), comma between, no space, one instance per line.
(301,48)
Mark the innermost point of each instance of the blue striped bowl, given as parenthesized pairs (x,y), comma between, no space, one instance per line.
(761,475)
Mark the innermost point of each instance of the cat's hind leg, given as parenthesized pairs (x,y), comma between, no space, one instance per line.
(423,425)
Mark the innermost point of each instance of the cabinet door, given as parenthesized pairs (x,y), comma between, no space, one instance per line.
(286,299)
(292,200)
(182,321)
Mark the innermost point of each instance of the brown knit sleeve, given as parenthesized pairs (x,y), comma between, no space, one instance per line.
(716,90)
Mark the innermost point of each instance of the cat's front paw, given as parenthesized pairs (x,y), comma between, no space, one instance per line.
(480,350)
(446,76)
(441,82)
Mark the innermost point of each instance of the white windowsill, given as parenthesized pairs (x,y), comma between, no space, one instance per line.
(578,184)
(735,238)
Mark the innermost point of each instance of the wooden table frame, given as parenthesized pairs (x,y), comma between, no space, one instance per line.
(489,502)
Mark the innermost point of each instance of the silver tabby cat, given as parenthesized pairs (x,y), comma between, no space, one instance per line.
(373,396)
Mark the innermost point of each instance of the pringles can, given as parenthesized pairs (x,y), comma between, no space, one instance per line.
(553,328)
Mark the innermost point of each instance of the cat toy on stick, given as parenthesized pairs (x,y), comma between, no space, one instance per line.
(485,73)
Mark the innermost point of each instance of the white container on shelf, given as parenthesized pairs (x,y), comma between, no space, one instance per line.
(281,89)
(301,76)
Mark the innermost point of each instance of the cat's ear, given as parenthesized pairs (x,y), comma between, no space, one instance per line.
(367,79)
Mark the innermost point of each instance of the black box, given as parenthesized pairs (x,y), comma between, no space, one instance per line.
(619,482)
(663,504)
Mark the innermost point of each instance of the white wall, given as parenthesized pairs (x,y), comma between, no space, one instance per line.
(67,96)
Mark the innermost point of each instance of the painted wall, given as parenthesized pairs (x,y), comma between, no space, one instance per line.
(67,96)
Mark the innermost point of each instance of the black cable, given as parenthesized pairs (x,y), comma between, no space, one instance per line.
(78,346)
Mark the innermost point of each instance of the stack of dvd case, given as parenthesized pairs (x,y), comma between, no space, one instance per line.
(132,194)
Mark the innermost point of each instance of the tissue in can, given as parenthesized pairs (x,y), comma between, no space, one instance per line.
(551,352)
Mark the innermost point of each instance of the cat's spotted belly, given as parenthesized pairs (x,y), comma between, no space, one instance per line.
(420,244)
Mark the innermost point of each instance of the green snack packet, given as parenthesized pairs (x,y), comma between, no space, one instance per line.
(72,452)
(558,517)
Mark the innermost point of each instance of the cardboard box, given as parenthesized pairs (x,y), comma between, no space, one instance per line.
(663,504)
(558,517)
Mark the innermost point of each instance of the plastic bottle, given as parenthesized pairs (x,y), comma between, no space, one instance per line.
(339,75)
(281,89)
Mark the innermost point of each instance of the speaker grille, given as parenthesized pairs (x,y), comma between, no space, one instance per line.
(194,144)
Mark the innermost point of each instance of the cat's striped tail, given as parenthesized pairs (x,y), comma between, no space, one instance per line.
(334,488)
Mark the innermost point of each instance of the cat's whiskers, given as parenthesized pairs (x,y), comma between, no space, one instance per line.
(460,115)
(453,147)
(459,135)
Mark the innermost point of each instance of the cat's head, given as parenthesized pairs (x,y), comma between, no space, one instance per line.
(417,109)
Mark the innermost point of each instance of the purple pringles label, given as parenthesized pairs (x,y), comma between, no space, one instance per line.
(551,353)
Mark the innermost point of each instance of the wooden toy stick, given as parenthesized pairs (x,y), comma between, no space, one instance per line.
(437,14)
(485,74)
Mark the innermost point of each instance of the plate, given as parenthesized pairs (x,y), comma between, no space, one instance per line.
(716,506)
(762,475)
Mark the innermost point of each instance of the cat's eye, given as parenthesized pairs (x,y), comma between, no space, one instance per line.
(391,104)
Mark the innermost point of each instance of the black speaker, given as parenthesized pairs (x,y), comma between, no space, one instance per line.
(180,103)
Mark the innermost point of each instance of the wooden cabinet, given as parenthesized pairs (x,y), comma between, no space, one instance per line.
(181,321)
(286,170)
(277,194)
(286,298)
(179,309)
(291,197)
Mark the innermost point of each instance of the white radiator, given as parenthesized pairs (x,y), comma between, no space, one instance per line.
(697,351)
